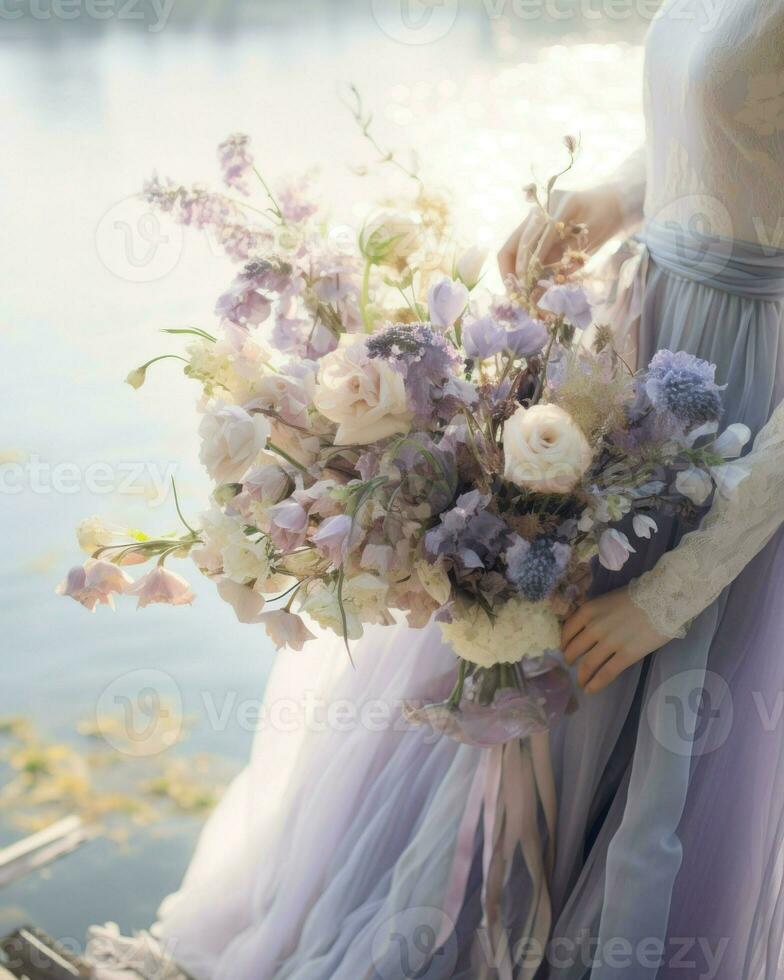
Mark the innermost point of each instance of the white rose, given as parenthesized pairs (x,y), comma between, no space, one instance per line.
(391,237)
(364,396)
(544,449)
(231,441)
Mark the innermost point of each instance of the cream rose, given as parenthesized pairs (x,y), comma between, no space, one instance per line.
(544,449)
(364,396)
(231,440)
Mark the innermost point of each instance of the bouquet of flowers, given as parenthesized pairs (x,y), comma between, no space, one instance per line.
(387,444)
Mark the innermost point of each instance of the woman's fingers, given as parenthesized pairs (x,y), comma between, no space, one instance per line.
(593,661)
(580,644)
(524,240)
(507,257)
(575,623)
(611,669)
(544,239)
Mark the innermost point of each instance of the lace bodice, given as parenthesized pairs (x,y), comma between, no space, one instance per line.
(739,524)
(714,111)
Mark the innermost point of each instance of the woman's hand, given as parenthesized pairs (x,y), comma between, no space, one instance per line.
(607,635)
(599,209)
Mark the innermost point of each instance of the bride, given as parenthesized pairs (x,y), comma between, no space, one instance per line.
(330,857)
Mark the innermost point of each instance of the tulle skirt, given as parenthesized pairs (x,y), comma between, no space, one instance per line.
(330,856)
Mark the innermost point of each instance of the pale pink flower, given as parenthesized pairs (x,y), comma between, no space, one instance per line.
(268,484)
(378,558)
(288,525)
(246,603)
(161,585)
(286,629)
(333,536)
(614,549)
(95,583)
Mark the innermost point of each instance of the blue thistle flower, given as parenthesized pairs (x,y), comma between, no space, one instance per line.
(689,399)
(535,567)
(685,387)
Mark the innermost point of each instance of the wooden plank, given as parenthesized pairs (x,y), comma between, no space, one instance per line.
(37,850)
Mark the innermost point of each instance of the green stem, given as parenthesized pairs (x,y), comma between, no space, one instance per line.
(289,459)
(457,692)
(364,298)
(179,512)
(163,357)
(545,361)
(271,196)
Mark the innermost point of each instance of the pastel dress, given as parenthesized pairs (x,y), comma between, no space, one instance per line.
(332,855)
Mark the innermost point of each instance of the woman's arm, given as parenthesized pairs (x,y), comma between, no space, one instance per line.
(610,633)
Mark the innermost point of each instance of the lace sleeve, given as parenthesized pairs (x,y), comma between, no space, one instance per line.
(739,524)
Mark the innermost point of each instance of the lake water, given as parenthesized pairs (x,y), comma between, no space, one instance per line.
(89,108)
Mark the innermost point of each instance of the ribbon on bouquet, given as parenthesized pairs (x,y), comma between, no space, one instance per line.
(511,783)
(618,289)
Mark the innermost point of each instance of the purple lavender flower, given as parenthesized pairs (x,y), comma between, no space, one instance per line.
(243,306)
(263,274)
(189,206)
(483,338)
(294,203)
(684,386)
(236,162)
(429,364)
(204,209)
(245,302)
(424,475)
(569,301)
(534,568)
(469,534)
(525,336)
